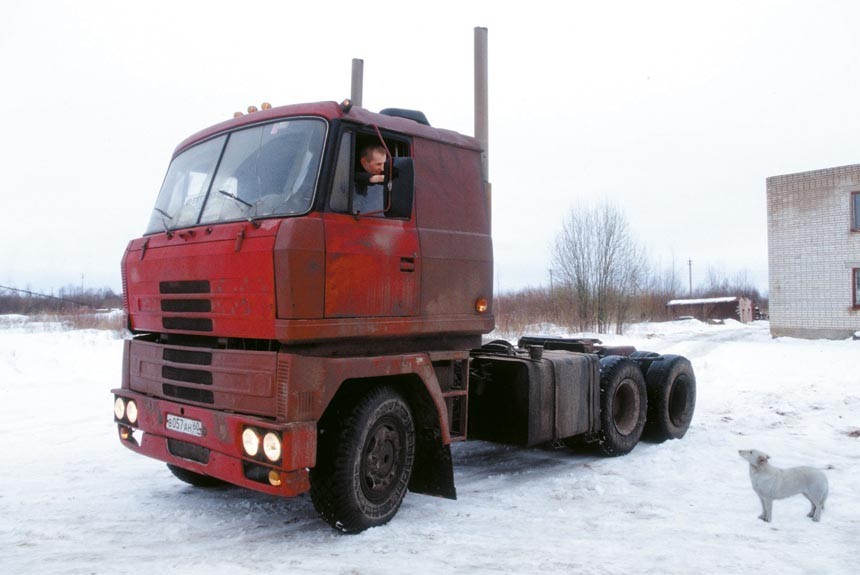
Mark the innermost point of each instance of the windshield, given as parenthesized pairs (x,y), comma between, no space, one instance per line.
(267,170)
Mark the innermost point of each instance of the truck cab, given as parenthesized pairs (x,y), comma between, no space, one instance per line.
(271,295)
(260,232)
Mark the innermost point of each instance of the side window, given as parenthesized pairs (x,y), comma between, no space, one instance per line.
(855,212)
(856,272)
(360,157)
(339,201)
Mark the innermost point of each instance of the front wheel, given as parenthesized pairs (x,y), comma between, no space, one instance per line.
(623,405)
(364,462)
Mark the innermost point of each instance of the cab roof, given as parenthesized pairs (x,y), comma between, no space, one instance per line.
(334,111)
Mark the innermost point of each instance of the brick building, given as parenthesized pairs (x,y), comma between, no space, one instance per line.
(813,237)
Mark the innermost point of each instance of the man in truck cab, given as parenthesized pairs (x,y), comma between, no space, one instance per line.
(373,163)
(369,197)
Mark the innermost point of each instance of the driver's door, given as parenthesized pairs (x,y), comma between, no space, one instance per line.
(373,264)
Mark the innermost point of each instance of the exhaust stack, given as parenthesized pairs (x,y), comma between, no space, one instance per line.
(357,81)
(482,130)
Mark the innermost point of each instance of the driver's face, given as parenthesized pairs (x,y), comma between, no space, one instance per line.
(375,164)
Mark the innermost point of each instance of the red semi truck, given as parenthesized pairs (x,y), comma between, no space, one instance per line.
(294,331)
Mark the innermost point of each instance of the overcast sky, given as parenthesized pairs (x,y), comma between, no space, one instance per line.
(675,110)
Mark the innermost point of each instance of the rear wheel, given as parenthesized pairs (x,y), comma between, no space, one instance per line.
(671,398)
(195,479)
(623,405)
(364,462)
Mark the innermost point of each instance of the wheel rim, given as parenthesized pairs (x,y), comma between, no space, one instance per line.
(678,401)
(381,463)
(625,407)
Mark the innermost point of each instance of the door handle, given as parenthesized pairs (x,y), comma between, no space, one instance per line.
(407,264)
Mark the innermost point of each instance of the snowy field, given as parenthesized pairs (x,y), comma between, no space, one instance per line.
(72,500)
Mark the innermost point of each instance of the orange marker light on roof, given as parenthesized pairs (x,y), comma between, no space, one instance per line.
(266,106)
(252,109)
(238,114)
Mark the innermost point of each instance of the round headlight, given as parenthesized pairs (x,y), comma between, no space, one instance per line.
(251,441)
(119,408)
(131,411)
(272,446)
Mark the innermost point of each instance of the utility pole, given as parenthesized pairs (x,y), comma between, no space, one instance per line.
(690,265)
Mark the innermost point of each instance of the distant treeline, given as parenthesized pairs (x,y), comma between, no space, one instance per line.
(66,300)
(602,278)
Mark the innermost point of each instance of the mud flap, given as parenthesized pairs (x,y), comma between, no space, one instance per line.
(433,470)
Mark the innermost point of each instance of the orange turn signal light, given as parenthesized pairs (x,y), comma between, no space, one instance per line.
(481,305)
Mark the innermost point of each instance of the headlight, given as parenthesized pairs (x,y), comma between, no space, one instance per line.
(119,408)
(251,442)
(131,411)
(272,446)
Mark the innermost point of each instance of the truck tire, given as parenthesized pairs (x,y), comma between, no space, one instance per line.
(364,462)
(623,405)
(195,479)
(671,398)
(644,359)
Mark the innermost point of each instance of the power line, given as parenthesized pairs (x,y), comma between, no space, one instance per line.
(46,296)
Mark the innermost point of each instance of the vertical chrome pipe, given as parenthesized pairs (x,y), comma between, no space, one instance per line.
(482,130)
(357,81)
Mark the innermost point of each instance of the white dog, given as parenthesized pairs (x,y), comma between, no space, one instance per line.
(771,483)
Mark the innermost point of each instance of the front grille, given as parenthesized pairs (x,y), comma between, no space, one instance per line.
(188,451)
(187,323)
(196,286)
(197,376)
(188,394)
(186,305)
(186,356)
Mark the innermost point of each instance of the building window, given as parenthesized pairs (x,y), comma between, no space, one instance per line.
(855,212)
(856,287)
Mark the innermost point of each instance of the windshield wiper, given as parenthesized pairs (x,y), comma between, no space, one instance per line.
(235,198)
(252,219)
(165,217)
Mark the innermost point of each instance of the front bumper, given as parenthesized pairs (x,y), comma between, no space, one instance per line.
(218,451)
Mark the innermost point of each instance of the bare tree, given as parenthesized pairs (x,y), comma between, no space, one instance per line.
(600,264)
(662,284)
(718,283)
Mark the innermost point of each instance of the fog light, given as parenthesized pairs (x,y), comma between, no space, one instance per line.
(272,446)
(119,408)
(131,411)
(274,478)
(251,441)
(124,432)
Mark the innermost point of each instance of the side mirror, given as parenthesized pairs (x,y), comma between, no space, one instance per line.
(400,190)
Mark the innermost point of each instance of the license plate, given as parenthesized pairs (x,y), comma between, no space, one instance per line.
(184,425)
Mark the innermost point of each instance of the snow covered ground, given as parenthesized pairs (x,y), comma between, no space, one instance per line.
(72,500)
